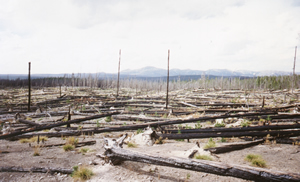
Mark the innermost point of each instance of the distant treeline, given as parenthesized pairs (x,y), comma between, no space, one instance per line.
(159,83)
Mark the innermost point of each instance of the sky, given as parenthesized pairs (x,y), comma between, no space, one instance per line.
(76,36)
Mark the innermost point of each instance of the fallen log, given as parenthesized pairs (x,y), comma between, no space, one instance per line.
(232,147)
(79,144)
(28,122)
(127,127)
(285,133)
(4,136)
(239,129)
(115,154)
(50,170)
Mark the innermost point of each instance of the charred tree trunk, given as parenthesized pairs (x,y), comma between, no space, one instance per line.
(244,172)
(35,169)
(232,147)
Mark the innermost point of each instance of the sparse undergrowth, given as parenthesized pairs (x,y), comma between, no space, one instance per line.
(33,139)
(210,144)
(68,147)
(256,160)
(82,173)
(36,150)
(71,142)
(159,141)
(131,145)
(220,124)
(84,150)
(203,157)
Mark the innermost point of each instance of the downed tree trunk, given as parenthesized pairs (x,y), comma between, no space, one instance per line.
(79,144)
(4,136)
(284,133)
(240,129)
(115,153)
(35,169)
(232,147)
(28,122)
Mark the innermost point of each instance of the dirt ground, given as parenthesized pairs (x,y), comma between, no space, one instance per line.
(280,157)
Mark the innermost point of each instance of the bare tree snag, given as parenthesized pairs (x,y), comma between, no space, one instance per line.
(29,87)
(118,84)
(167,99)
(116,154)
(232,147)
(50,170)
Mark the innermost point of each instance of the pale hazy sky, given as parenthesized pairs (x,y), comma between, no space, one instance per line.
(65,36)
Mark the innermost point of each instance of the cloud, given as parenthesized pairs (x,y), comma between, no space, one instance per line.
(85,36)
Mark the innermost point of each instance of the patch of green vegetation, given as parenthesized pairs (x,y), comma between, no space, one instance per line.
(198,125)
(208,122)
(165,116)
(188,175)
(210,144)
(139,131)
(256,160)
(131,145)
(84,150)
(203,157)
(82,173)
(129,108)
(108,119)
(98,124)
(259,162)
(220,124)
(188,126)
(72,141)
(68,147)
(223,140)
(245,123)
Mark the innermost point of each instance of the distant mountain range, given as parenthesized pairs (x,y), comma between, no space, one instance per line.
(158,72)
(152,73)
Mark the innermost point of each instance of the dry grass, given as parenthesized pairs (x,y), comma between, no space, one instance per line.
(68,147)
(82,173)
(204,157)
(256,160)
(36,150)
(159,141)
(33,139)
(72,141)
(210,144)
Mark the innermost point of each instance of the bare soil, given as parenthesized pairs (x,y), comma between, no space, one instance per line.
(280,157)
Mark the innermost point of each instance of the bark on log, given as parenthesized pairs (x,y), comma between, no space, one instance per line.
(232,147)
(35,169)
(244,172)
(286,133)
(56,124)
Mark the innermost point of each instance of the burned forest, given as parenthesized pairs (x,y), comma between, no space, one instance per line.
(85,127)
